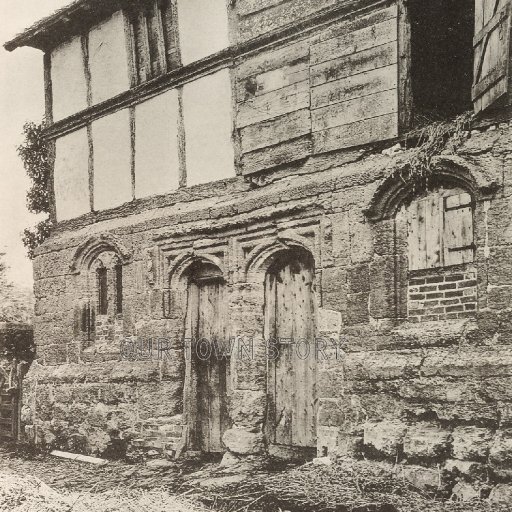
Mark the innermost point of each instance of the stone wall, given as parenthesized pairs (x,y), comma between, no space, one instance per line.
(427,393)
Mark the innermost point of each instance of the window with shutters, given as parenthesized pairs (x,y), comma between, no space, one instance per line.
(153,32)
(440,230)
(441,57)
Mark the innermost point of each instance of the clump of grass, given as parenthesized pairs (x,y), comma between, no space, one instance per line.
(431,140)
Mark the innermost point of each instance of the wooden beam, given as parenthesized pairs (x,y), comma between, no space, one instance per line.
(48,94)
(130,49)
(133,136)
(162,58)
(91,166)
(405,98)
(182,140)
(87,68)
(79,457)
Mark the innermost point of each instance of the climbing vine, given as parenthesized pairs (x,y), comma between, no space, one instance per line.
(35,155)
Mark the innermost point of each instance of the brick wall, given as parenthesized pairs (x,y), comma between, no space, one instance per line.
(442,296)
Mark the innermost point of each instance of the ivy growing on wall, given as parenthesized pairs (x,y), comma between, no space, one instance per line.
(35,154)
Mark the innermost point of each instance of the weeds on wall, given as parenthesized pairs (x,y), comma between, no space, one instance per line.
(430,141)
(35,155)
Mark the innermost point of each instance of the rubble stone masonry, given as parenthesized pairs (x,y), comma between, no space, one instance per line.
(424,375)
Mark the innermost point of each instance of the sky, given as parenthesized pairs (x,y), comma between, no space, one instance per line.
(21,100)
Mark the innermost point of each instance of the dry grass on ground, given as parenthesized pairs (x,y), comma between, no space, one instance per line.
(347,486)
(29,494)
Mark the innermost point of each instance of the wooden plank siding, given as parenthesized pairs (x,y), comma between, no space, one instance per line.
(354,95)
(335,89)
(277,15)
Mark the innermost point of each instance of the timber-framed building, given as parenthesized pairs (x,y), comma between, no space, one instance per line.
(247,170)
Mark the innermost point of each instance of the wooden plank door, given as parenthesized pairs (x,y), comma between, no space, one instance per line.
(291,316)
(206,317)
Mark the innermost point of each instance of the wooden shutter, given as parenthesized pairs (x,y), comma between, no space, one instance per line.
(492,52)
(458,230)
(425,226)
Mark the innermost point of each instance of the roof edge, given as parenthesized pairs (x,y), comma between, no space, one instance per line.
(64,23)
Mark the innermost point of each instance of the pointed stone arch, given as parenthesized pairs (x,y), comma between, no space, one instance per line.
(91,248)
(262,257)
(178,270)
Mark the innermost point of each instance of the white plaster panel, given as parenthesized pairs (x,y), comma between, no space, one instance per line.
(108,59)
(112,160)
(207,111)
(157,166)
(71,175)
(203,28)
(69,87)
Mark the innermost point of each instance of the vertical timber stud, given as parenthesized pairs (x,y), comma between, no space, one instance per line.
(87,69)
(133,136)
(48,97)
(182,156)
(233,40)
(176,32)
(91,166)
(130,48)
(405,99)
(87,72)
(158,6)
(235,133)
(143,42)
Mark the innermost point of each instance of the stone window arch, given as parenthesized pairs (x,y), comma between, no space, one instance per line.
(429,240)
(99,264)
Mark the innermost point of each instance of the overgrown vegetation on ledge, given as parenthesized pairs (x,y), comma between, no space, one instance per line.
(432,140)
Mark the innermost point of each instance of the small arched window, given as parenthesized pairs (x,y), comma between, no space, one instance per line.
(102,279)
(118,271)
(440,230)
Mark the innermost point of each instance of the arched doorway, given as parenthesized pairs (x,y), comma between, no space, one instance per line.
(206,335)
(290,324)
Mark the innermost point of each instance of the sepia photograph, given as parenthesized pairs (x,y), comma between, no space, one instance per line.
(256,256)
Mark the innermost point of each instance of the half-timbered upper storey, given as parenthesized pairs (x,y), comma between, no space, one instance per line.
(144,97)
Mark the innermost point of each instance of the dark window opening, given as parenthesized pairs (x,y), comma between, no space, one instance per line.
(441,58)
(102,291)
(119,288)
(87,321)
